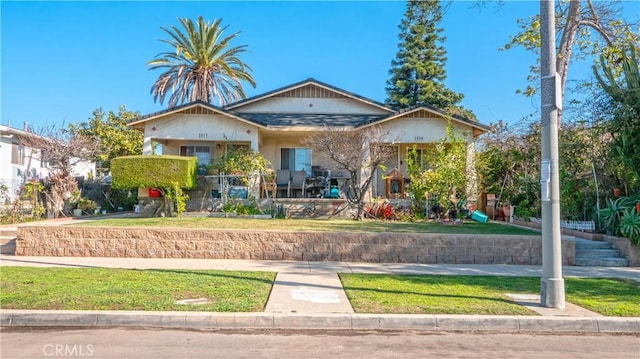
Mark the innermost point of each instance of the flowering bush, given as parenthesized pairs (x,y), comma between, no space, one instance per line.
(387,211)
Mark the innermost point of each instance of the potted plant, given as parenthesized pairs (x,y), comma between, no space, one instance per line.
(507,209)
(86,205)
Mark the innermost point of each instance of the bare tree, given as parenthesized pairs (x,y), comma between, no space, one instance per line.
(360,152)
(61,150)
(584,28)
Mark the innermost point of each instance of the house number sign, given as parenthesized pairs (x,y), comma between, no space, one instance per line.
(203,135)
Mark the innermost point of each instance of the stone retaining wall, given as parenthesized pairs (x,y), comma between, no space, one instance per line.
(627,249)
(565,231)
(274,245)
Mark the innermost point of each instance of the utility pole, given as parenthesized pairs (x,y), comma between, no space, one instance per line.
(551,283)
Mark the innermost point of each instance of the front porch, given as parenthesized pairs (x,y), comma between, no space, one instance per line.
(231,195)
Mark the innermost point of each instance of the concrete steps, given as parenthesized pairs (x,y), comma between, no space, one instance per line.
(598,253)
(8,241)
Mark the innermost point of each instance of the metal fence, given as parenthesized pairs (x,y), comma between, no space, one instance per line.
(576,225)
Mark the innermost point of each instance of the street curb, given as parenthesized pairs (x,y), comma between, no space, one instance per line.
(352,322)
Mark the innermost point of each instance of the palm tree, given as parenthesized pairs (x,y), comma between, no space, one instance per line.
(203,66)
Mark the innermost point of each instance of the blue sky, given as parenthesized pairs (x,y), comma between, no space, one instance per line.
(62,60)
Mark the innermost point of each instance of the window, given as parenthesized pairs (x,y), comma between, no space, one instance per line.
(203,153)
(296,159)
(44,159)
(17,154)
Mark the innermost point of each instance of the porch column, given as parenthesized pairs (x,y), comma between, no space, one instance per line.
(147,148)
(472,176)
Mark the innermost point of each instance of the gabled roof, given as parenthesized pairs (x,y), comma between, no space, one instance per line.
(311,119)
(184,107)
(310,81)
(478,127)
(300,89)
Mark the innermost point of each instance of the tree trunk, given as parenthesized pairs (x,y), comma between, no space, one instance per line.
(563,58)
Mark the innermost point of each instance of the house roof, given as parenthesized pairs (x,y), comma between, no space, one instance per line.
(478,127)
(296,119)
(9,132)
(272,119)
(186,106)
(310,81)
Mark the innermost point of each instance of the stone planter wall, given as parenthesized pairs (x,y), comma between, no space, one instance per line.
(273,245)
(564,231)
(626,248)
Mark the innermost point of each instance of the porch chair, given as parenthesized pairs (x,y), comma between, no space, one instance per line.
(298,182)
(283,180)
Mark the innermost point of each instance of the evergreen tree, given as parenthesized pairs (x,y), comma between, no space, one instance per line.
(418,72)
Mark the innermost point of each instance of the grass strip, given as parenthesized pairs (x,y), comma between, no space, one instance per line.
(130,289)
(430,294)
(317,225)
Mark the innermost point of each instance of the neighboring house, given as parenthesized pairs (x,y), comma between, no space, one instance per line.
(20,163)
(274,124)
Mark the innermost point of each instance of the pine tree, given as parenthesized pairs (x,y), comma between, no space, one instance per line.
(418,72)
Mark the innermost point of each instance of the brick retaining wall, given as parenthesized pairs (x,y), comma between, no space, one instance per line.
(274,245)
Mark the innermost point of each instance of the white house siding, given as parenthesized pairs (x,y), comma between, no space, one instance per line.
(12,174)
(306,105)
(190,129)
(84,169)
(421,130)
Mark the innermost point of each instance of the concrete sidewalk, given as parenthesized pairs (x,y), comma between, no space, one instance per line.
(309,295)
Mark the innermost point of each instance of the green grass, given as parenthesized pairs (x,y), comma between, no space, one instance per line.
(607,296)
(426,294)
(333,225)
(127,289)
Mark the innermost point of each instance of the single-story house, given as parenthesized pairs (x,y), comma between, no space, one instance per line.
(275,123)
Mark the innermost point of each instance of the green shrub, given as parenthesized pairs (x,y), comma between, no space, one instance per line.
(613,213)
(442,170)
(630,225)
(240,161)
(242,207)
(153,171)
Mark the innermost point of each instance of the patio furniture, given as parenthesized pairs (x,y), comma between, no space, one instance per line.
(298,182)
(318,187)
(268,188)
(283,180)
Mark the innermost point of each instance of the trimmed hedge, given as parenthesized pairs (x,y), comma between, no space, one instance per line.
(153,171)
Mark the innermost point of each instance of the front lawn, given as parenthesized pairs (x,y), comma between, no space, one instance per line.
(129,289)
(319,225)
(428,294)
